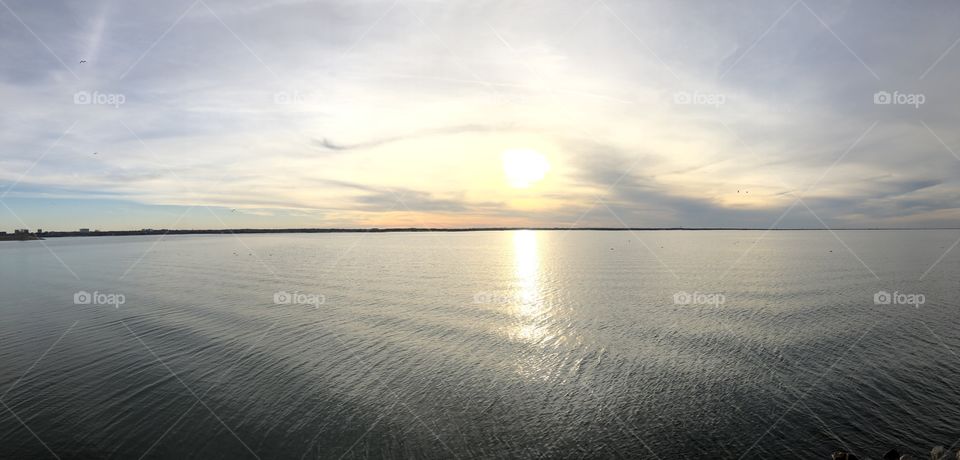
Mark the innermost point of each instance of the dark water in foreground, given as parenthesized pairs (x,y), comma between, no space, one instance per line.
(491,344)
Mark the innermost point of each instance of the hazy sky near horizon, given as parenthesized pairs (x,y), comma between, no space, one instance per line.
(296,113)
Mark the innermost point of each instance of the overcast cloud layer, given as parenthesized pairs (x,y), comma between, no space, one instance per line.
(213,113)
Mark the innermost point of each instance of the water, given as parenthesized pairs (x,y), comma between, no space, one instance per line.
(488,344)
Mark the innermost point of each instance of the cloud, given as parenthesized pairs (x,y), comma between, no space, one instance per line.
(230,105)
(417,201)
(328,144)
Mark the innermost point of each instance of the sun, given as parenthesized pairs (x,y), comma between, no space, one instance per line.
(524,167)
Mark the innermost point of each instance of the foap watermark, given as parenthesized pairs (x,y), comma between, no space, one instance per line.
(497,298)
(99,298)
(698,98)
(699,298)
(98,98)
(898,98)
(298,298)
(288,98)
(899,298)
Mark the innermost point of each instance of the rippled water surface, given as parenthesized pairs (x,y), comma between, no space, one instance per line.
(706,344)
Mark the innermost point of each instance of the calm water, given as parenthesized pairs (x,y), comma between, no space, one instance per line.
(490,344)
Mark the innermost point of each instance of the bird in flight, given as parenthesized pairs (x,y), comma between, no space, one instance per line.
(83,61)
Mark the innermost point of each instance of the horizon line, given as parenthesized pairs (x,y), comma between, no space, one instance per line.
(147,231)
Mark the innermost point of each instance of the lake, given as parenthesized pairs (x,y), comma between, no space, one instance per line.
(510,344)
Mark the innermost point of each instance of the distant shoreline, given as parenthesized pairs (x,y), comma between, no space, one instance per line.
(20,237)
(418,230)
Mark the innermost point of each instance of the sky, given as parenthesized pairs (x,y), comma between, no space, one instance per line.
(367,113)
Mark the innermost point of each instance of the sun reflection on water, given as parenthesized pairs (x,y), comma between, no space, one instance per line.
(529,301)
(533,316)
(527,266)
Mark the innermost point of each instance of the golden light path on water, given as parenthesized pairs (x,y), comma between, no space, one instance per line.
(528,300)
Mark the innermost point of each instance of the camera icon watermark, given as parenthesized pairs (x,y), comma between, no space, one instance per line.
(898,98)
(99,298)
(98,98)
(298,298)
(698,98)
(288,98)
(898,298)
(699,298)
